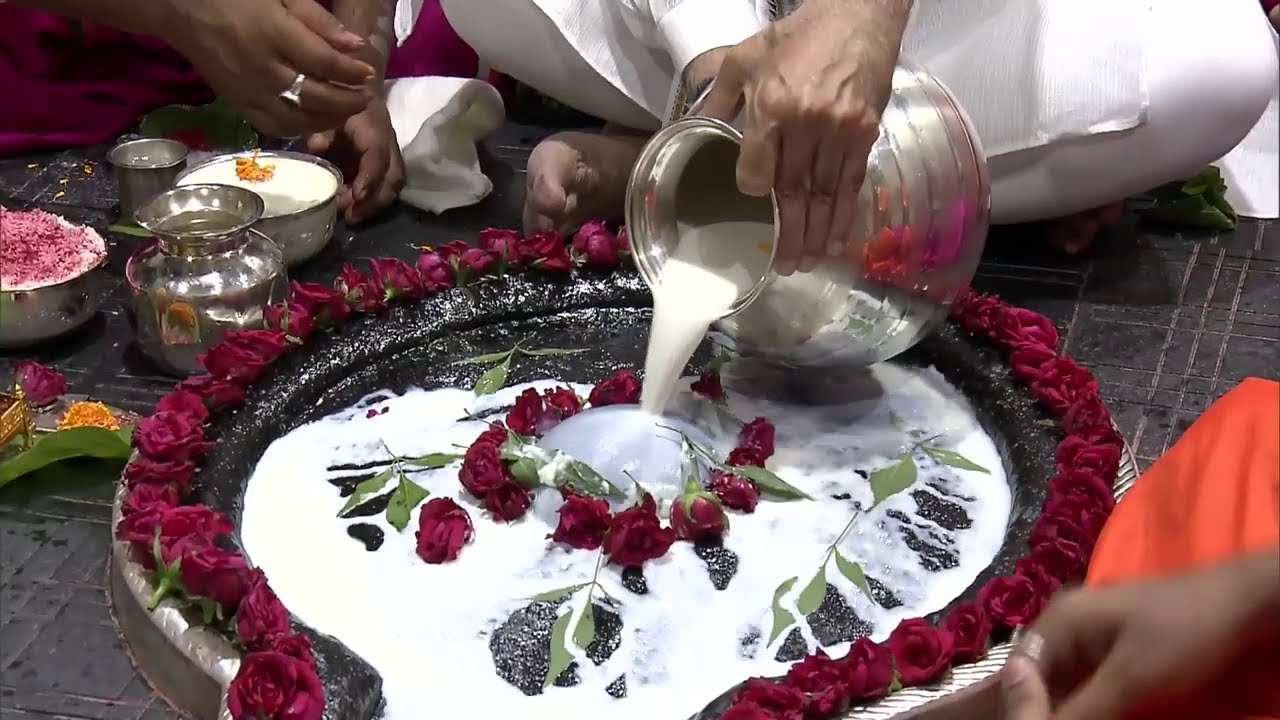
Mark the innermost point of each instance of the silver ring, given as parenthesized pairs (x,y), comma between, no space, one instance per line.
(293,95)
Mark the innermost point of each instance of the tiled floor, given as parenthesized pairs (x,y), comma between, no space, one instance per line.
(1168,322)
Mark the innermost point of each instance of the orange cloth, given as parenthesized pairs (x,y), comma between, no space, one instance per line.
(1215,495)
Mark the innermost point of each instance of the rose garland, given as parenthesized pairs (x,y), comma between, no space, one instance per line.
(184,544)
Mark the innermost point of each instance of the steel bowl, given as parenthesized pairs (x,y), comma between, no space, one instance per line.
(300,234)
(29,317)
(144,168)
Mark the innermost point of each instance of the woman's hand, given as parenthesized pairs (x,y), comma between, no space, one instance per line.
(366,149)
(249,51)
(1159,646)
(814,85)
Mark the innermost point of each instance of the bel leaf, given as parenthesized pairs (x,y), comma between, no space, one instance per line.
(365,489)
(782,618)
(558,658)
(486,358)
(559,593)
(79,442)
(585,631)
(585,479)
(434,460)
(852,572)
(811,596)
(405,498)
(513,448)
(954,459)
(543,352)
(892,479)
(493,379)
(769,482)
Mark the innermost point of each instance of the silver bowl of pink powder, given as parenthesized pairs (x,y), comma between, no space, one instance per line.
(51,274)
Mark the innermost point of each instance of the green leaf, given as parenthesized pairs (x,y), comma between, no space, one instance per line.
(406,497)
(525,471)
(434,460)
(493,379)
(514,447)
(80,442)
(954,459)
(222,124)
(782,618)
(811,596)
(559,593)
(543,352)
(210,611)
(558,658)
(585,631)
(769,482)
(852,572)
(892,479)
(372,486)
(486,358)
(585,479)
(896,684)
(128,229)
(1189,211)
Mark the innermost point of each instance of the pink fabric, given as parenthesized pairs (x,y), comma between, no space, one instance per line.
(66,83)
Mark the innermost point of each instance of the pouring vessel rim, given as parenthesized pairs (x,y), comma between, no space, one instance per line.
(281,154)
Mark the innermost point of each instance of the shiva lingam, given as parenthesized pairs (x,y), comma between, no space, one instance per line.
(207,272)
(922,223)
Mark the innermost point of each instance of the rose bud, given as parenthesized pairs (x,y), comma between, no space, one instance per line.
(697,514)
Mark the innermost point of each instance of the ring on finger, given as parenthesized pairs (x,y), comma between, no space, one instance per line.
(293,94)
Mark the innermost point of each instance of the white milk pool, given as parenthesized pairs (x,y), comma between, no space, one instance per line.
(294,186)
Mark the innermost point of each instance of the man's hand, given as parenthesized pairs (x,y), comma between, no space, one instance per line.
(366,150)
(813,85)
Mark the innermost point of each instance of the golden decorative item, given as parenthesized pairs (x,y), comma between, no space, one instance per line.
(16,417)
(88,414)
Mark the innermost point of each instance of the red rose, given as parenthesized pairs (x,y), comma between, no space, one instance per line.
(295,646)
(743,457)
(273,686)
(1080,513)
(42,385)
(1086,412)
(708,386)
(583,521)
(243,354)
(596,245)
(782,702)
(1015,326)
(824,681)
(758,437)
(140,529)
(215,392)
(398,279)
(698,515)
(558,405)
(970,628)
(1015,600)
(1030,360)
(1082,484)
(363,292)
(921,652)
(1050,528)
(1062,382)
(483,469)
(262,619)
(324,305)
(526,413)
(502,243)
(636,535)
(175,473)
(508,502)
(977,313)
(436,271)
(547,251)
(289,318)
(744,710)
(735,491)
(476,262)
(210,571)
(170,436)
(453,249)
(144,498)
(443,528)
(183,402)
(868,668)
(495,434)
(620,388)
(1059,559)
(1078,452)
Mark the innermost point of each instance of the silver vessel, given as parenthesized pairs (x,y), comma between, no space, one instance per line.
(206,272)
(922,224)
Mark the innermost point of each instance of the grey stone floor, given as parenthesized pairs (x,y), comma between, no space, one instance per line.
(1167,321)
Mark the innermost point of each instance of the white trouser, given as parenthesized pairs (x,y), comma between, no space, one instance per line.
(1210,71)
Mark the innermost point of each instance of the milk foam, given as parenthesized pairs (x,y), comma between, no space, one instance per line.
(426,628)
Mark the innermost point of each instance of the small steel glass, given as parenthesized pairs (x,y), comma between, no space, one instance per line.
(922,224)
(206,272)
(145,168)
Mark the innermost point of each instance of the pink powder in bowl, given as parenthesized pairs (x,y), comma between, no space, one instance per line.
(38,249)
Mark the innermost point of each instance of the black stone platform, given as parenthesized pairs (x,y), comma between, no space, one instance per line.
(1167,321)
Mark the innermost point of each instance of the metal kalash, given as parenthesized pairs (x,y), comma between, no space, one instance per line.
(922,224)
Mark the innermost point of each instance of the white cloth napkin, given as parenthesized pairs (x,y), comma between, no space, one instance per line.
(437,122)
(1252,168)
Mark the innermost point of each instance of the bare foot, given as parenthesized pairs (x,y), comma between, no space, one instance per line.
(1275,17)
(1076,233)
(575,176)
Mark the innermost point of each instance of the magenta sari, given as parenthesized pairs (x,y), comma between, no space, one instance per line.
(67,83)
